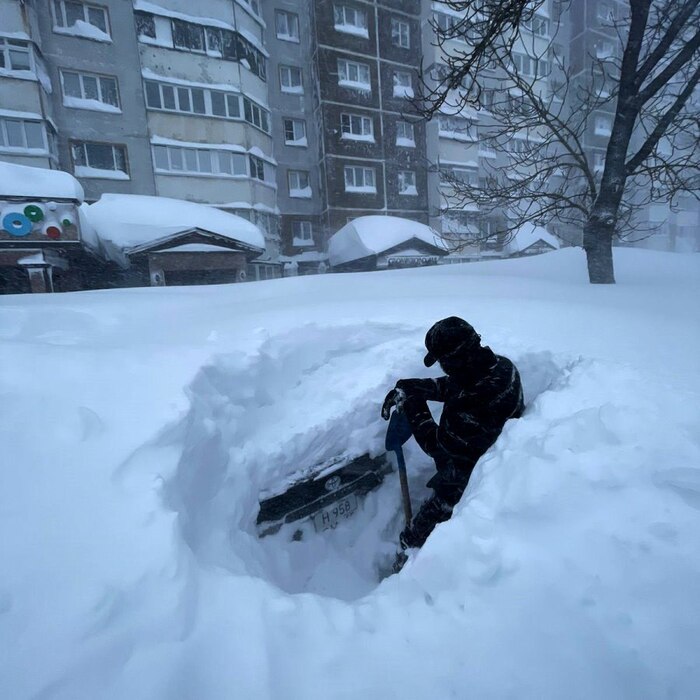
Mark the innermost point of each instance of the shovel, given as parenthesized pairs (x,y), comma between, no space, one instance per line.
(398,432)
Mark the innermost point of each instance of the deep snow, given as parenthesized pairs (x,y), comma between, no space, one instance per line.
(140,426)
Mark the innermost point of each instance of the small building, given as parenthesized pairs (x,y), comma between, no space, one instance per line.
(530,239)
(160,241)
(45,245)
(384,242)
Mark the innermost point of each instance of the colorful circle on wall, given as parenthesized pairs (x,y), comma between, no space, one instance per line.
(67,222)
(53,232)
(16,224)
(33,212)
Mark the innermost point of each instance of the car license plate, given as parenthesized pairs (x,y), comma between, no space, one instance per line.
(329,517)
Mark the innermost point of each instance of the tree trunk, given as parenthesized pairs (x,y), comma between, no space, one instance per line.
(597,242)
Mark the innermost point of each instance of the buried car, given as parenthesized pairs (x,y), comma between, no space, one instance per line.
(327,494)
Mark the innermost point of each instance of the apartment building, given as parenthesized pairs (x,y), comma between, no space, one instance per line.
(28,133)
(373,155)
(144,97)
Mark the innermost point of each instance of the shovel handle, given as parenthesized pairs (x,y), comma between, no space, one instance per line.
(408,514)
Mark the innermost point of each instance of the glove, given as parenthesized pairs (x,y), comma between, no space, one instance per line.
(395,397)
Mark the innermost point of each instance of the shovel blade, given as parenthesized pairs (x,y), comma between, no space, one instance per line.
(398,432)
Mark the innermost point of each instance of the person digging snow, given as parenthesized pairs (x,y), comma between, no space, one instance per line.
(480,393)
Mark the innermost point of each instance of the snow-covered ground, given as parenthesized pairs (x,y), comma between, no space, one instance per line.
(139,427)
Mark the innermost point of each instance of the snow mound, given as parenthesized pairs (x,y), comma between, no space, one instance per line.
(372,235)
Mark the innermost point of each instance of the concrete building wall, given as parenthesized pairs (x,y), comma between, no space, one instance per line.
(298,213)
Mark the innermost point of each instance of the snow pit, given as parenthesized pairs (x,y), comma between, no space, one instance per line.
(240,440)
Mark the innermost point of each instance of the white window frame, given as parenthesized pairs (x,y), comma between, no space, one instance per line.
(61,18)
(400,33)
(9,46)
(98,78)
(5,146)
(350,20)
(288,17)
(356,127)
(407,141)
(602,125)
(298,131)
(259,117)
(115,147)
(294,184)
(407,183)
(403,83)
(352,74)
(287,72)
(214,157)
(302,233)
(178,90)
(598,161)
(359,178)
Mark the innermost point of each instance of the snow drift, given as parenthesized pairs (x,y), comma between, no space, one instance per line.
(142,424)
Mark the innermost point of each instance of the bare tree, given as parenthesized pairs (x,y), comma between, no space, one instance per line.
(638,92)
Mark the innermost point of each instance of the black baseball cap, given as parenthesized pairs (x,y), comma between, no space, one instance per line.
(447,336)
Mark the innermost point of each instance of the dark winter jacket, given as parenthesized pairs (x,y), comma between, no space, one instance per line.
(481,393)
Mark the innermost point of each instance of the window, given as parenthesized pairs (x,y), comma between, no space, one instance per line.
(598,161)
(197,38)
(407,182)
(145,25)
(255,115)
(295,132)
(188,36)
(287,25)
(257,168)
(404,134)
(350,20)
(82,90)
(466,176)
(68,14)
(15,54)
(199,161)
(529,66)
(603,126)
(290,79)
(20,134)
(98,159)
(400,33)
(357,127)
(353,74)
(605,13)
(446,23)
(539,26)
(302,232)
(359,179)
(457,128)
(298,182)
(605,49)
(213,103)
(403,84)
(517,145)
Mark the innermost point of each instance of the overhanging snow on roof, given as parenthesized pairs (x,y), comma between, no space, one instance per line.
(372,235)
(38,183)
(529,234)
(127,224)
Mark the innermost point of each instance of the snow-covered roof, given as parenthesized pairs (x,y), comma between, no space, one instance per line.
(371,235)
(528,234)
(38,183)
(128,221)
